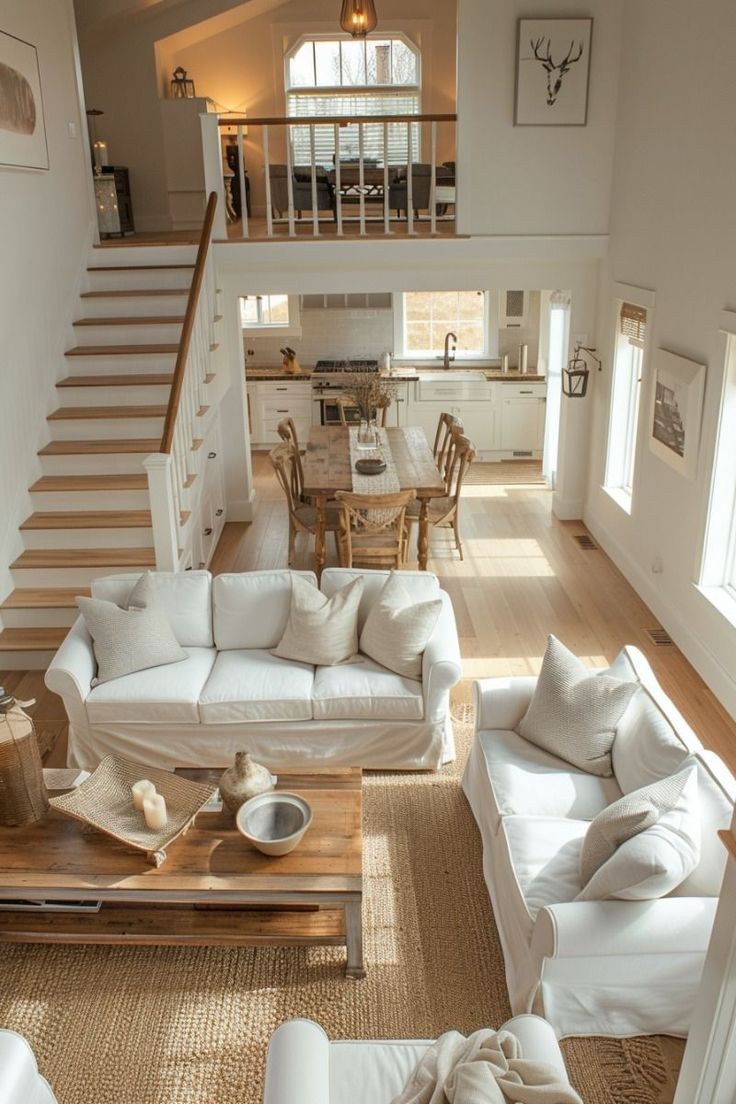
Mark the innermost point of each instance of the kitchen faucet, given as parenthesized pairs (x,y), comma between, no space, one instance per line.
(449,357)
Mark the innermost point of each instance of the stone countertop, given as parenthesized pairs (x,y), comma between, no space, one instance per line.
(267,373)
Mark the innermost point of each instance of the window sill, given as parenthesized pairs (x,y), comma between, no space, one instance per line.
(721,599)
(621,497)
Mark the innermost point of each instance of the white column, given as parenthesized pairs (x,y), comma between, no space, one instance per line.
(213,180)
(164,520)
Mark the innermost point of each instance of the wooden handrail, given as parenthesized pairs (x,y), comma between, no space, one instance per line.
(331,120)
(186,331)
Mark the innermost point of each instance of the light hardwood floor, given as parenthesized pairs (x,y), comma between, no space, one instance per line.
(524,576)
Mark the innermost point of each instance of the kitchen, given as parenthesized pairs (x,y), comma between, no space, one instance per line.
(489,357)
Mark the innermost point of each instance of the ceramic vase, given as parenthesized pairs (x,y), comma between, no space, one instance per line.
(245,779)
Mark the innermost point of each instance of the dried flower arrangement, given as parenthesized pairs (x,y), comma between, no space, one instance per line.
(369,392)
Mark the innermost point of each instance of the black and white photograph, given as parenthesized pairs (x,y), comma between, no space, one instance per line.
(677,403)
(22,129)
(552,72)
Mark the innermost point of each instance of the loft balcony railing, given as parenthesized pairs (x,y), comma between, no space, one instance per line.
(315,176)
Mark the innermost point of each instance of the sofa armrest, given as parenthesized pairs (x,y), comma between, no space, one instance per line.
(597,929)
(298,1065)
(502,702)
(538,1041)
(72,669)
(441,665)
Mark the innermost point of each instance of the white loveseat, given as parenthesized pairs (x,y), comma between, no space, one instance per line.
(305,1067)
(612,967)
(232,693)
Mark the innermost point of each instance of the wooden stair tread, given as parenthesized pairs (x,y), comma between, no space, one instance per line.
(88,519)
(32,640)
(126,445)
(137,379)
(44,597)
(82,413)
(121,350)
(101,482)
(136,267)
(128,293)
(85,557)
(152,320)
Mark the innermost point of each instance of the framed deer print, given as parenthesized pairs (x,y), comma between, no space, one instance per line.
(552,72)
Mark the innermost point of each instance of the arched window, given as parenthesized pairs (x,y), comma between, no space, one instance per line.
(348,77)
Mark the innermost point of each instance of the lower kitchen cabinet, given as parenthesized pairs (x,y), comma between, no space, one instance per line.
(522,421)
(271,401)
(509,422)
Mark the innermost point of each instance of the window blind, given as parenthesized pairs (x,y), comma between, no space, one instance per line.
(353,104)
(634,323)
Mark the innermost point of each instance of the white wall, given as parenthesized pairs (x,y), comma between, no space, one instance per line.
(45,231)
(673,231)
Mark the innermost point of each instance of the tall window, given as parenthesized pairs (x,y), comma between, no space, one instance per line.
(333,76)
(631,333)
(426,317)
(718,575)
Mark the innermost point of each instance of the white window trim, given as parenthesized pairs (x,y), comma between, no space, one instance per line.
(326,37)
(490,327)
(294,327)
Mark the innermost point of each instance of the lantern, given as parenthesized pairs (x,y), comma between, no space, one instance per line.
(575,375)
(181,87)
(358,17)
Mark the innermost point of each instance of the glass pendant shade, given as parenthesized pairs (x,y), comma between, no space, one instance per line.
(358,17)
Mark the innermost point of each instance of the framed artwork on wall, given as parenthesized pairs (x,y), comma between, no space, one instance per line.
(676,410)
(552,72)
(22,127)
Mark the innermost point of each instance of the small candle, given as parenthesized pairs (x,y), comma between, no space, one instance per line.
(141,790)
(154,810)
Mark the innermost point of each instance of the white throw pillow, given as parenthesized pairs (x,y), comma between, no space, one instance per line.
(132,638)
(656,860)
(398,629)
(574,711)
(322,631)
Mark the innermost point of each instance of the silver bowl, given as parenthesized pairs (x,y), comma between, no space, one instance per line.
(274,822)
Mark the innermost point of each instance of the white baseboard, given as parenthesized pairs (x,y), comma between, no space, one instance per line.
(242,509)
(566,509)
(705,662)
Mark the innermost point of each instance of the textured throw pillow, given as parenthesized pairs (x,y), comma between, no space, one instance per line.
(646,843)
(574,712)
(130,639)
(397,629)
(322,631)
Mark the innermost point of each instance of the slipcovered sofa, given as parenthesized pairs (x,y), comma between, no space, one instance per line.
(611,967)
(305,1067)
(20,1081)
(232,693)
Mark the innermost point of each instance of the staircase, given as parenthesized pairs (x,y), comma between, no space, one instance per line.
(91,510)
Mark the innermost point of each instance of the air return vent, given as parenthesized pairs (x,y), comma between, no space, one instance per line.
(660,638)
(586,541)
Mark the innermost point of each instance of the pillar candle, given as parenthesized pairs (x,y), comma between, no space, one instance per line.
(141,790)
(154,810)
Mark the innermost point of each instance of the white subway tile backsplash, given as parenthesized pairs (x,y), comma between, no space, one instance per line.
(328,335)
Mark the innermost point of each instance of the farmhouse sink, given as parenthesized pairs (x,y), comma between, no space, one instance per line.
(454,376)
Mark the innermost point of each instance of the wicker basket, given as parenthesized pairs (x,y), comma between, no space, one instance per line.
(23,796)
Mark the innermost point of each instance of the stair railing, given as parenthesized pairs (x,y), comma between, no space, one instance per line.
(171,471)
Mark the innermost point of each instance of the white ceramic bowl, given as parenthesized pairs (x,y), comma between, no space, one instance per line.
(274,822)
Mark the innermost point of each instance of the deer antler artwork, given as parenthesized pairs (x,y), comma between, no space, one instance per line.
(555,70)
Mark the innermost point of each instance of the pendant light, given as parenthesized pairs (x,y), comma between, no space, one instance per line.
(358,17)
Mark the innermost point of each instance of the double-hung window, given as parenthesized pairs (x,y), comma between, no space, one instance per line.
(424,318)
(628,363)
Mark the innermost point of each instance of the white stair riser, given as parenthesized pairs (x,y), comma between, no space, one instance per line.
(26,661)
(130,306)
(96,429)
(87,538)
(144,254)
(134,278)
(90,500)
(133,395)
(37,619)
(139,334)
(105,463)
(66,576)
(102,364)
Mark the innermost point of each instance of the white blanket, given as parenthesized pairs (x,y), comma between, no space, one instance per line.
(487,1067)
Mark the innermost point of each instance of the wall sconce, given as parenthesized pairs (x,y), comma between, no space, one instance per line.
(181,87)
(358,17)
(575,375)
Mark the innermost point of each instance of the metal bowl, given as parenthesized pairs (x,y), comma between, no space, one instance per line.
(274,822)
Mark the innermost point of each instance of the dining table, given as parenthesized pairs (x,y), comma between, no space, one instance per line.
(328,468)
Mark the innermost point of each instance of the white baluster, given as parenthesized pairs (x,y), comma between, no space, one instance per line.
(386,208)
(361,178)
(409,183)
(433,181)
(338,180)
(160,491)
(241,180)
(289,182)
(267,170)
(315,212)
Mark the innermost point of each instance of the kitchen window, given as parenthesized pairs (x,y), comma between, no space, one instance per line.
(277,315)
(424,318)
(628,363)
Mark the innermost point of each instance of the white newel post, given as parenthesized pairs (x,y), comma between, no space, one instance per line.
(163,510)
(708,1073)
(213,179)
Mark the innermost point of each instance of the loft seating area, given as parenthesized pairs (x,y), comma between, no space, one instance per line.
(367,605)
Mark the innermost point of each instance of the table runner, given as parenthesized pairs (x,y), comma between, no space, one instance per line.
(387,482)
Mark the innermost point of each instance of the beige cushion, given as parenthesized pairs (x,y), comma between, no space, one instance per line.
(322,631)
(654,861)
(398,629)
(573,713)
(132,638)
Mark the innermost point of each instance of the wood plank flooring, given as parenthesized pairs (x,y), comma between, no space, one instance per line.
(523,576)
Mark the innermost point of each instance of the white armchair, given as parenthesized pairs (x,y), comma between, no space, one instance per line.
(20,1081)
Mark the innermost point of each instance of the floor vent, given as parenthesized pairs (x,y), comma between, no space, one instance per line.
(660,638)
(525,454)
(585,541)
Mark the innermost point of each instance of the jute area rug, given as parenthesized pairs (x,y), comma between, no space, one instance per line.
(504,472)
(190,1025)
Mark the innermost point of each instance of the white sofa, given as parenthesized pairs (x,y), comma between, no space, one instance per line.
(611,967)
(305,1067)
(231,693)
(20,1081)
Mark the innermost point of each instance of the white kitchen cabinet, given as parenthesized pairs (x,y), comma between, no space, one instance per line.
(397,412)
(521,419)
(270,401)
(478,418)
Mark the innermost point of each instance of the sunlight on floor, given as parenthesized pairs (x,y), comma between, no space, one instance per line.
(381,887)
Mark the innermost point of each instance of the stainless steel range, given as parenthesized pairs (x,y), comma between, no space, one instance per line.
(328,385)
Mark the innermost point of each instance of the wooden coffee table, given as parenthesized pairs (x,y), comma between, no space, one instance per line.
(214,889)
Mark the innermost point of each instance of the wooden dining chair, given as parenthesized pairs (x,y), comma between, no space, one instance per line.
(344,405)
(287,432)
(302,517)
(445,512)
(442,447)
(373,531)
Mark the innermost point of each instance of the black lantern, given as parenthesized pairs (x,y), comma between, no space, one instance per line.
(575,375)
(181,87)
(358,17)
